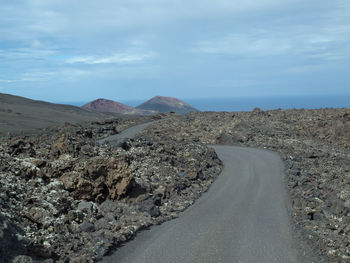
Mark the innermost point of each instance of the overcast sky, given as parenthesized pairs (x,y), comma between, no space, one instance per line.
(75,50)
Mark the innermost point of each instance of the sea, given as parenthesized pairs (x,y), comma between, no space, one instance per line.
(264,103)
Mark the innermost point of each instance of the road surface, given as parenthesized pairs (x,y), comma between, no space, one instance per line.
(243,218)
(129,133)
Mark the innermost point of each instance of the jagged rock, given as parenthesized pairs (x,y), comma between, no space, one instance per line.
(54,222)
(62,145)
(192,175)
(149,207)
(119,179)
(149,178)
(37,215)
(315,147)
(88,207)
(70,180)
(101,179)
(108,206)
(19,145)
(103,223)
(84,189)
(336,206)
(161,190)
(87,226)
(22,259)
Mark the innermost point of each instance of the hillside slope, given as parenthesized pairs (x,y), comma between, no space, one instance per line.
(19,114)
(167,104)
(104,105)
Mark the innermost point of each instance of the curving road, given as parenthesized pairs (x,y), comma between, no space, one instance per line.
(242,218)
(129,133)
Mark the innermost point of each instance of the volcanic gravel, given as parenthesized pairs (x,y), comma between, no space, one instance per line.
(64,198)
(314,145)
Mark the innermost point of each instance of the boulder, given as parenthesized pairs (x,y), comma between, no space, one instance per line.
(101,179)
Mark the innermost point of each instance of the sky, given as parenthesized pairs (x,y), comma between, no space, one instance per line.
(80,50)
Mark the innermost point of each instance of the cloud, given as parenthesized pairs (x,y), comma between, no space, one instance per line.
(25,53)
(116,58)
(79,20)
(244,46)
(45,76)
(325,43)
(7,80)
(174,44)
(37,44)
(303,69)
(31,77)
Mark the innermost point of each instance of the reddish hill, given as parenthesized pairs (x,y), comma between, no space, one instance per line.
(167,104)
(103,105)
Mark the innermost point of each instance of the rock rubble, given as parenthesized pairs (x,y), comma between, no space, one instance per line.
(64,198)
(314,145)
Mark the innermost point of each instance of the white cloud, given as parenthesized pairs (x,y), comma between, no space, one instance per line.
(56,42)
(325,43)
(44,76)
(37,76)
(37,44)
(304,69)
(7,80)
(244,46)
(24,53)
(116,58)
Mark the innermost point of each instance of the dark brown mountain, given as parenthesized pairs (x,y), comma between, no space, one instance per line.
(19,114)
(167,104)
(103,105)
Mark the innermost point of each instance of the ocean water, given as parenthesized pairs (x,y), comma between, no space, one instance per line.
(270,103)
(264,103)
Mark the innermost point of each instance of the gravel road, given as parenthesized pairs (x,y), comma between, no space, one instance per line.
(242,218)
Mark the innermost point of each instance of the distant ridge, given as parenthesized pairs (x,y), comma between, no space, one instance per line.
(19,114)
(167,104)
(104,105)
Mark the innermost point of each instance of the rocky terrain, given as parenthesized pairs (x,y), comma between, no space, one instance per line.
(167,104)
(103,105)
(64,198)
(314,145)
